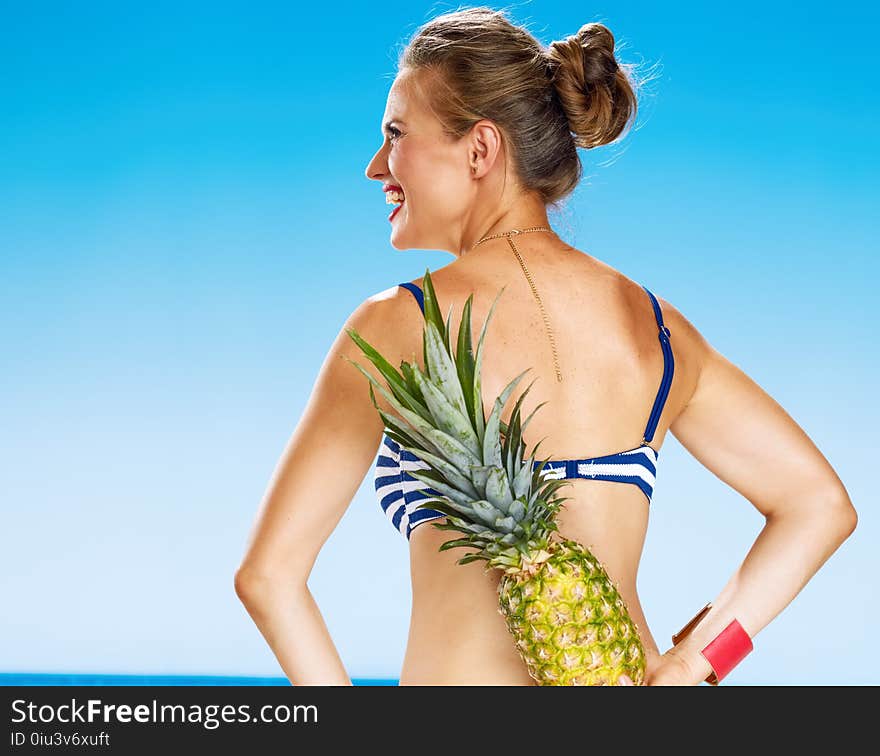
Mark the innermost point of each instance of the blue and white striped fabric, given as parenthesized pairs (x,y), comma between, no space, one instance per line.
(400,494)
(637,466)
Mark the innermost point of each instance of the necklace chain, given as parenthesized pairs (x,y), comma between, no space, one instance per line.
(509,236)
(514,232)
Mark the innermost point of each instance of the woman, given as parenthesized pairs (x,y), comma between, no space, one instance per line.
(480,133)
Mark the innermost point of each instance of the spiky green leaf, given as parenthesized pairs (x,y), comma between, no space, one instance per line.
(431,308)
(498,489)
(479,474)
(504,524)
(486,512)
(441,369)
(492,439)
(517,510)
(478,383)
(458,542)
(395,380)
(420,420)
(447,417)
(461,498)
(457,453)
(448,331)
(464,360)
(450,473)
(523,480)
(403,433)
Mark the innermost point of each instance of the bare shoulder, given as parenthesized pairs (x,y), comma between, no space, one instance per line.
(689,347)
(390,321)
(384,304)
(395,315)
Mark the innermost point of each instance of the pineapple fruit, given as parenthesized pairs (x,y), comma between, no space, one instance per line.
(565,614)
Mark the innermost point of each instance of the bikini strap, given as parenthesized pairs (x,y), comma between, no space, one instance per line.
(668,370)
(416,292)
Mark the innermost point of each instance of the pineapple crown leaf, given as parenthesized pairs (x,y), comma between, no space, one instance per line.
(448,416)
(531,415)
(478,360)
(401,433)
(462,497)
(421,410)
(441,367)
(433,438)
(466,365)
(424,432)
(492,437)
(464,361)
(431,310)
(396,382)
(468,558)
(444,473)
(455,543)
(497,499)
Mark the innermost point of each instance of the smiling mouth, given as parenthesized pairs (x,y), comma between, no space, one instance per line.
(394,196)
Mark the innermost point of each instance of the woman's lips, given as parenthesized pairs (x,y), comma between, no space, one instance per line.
(394,211)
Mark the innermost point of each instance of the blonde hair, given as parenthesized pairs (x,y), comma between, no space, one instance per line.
(546,101)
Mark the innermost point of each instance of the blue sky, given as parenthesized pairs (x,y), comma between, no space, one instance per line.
(185,224)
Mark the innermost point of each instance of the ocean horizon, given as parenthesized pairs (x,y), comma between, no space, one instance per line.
(60,678)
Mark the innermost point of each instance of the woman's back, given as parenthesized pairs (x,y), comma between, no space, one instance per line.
(606,337)
(479,140)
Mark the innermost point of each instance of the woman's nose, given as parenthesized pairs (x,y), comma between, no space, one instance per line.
(376,168)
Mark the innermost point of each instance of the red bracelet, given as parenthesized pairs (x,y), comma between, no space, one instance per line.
(728,649)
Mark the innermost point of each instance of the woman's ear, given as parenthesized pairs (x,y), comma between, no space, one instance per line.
(484,147)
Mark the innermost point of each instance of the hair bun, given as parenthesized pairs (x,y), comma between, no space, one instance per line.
(593,88)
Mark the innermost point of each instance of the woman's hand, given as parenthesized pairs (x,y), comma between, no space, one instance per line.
(670,668)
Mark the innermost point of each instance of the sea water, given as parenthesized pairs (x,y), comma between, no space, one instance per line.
(16,678)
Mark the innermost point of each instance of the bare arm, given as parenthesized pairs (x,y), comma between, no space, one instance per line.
(321,469)
(741,434)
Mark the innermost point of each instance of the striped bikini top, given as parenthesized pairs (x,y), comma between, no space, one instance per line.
(400,494)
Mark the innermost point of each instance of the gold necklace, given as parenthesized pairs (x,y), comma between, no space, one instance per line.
(509,236)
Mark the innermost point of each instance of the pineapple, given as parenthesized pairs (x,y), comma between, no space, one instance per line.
(565,614)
